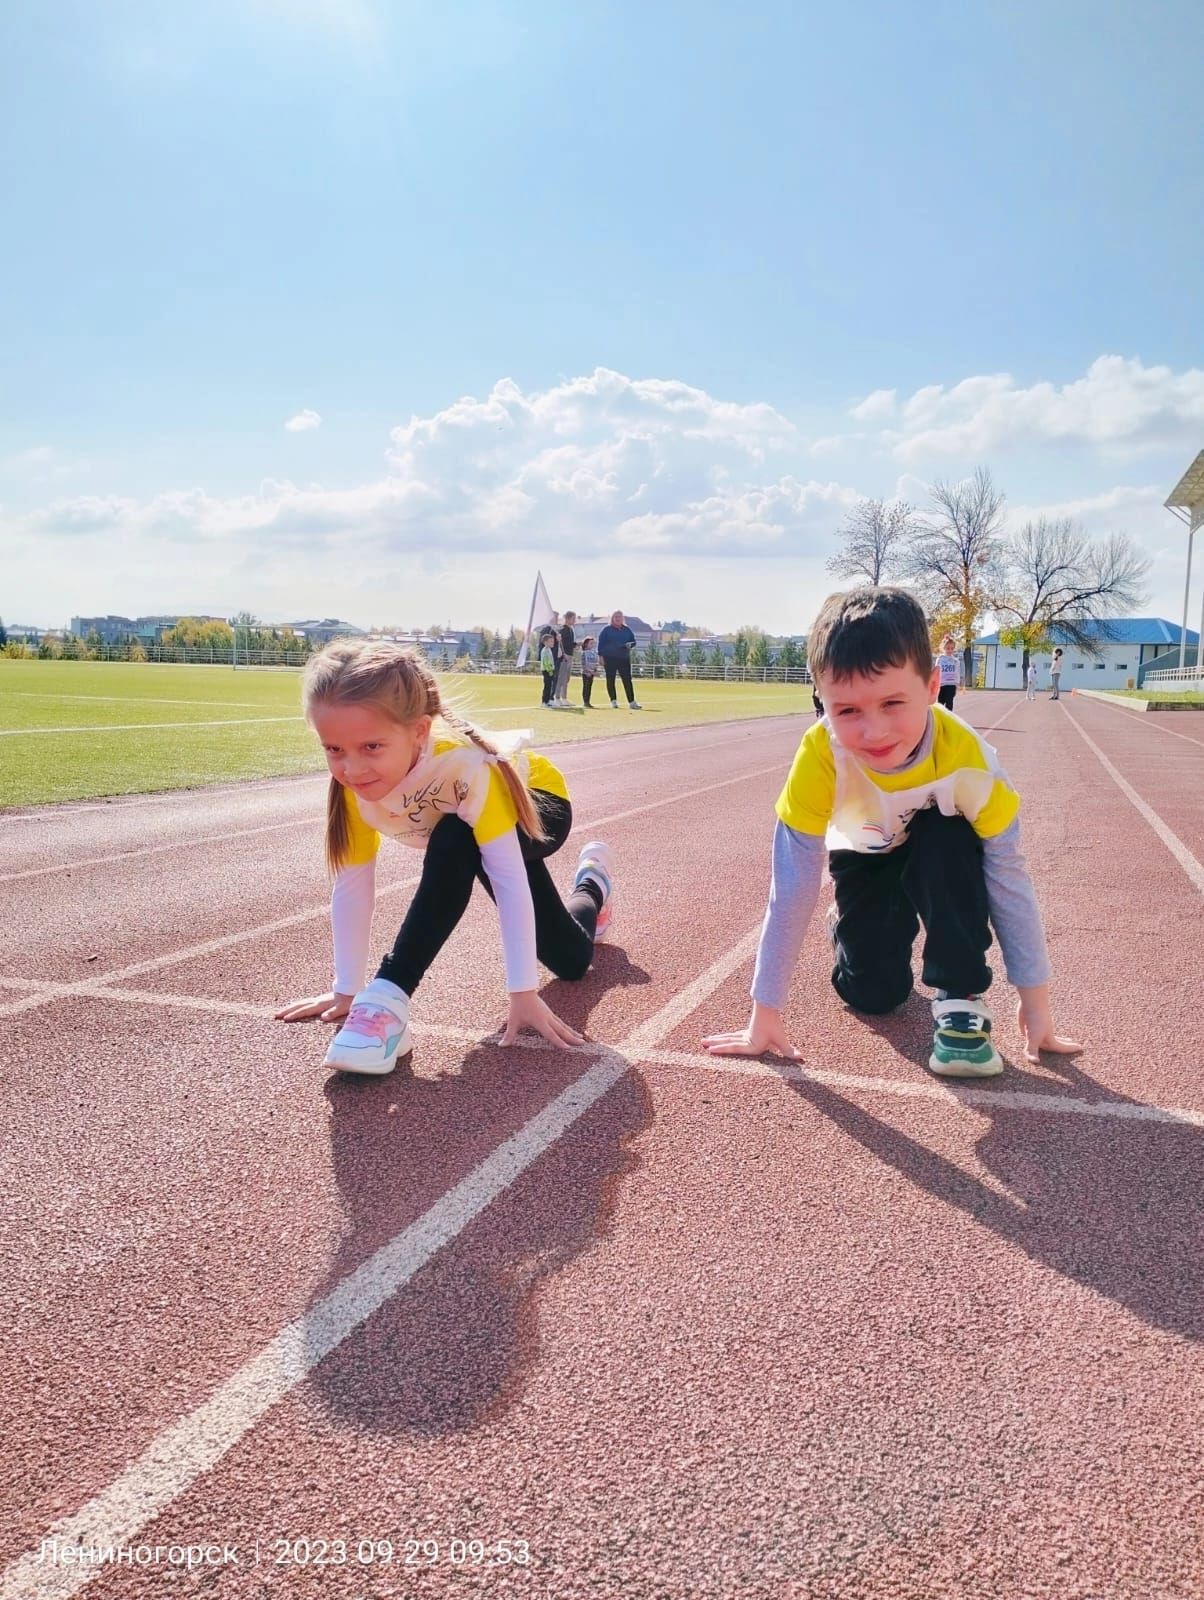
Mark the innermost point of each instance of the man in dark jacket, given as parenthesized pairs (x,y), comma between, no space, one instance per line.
(615,644)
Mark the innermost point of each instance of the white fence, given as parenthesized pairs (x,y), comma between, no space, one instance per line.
(1176,679)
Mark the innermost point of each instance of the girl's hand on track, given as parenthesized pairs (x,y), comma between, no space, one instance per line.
(326,1007)
(527,1010)
(765,1034)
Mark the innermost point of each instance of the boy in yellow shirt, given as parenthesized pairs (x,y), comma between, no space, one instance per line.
(916,821)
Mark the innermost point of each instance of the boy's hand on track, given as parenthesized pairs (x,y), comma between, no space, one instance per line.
(764,1035)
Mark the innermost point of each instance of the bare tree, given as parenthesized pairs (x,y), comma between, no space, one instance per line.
(954,559)
(874,536)
(1057,577)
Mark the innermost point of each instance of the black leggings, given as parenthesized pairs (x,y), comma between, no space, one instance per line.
(564,934)
(945,694)
(623,668)
(934,877)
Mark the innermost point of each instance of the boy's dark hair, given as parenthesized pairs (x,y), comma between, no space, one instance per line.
(866,630)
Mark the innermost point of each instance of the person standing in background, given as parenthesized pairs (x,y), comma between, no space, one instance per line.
(568,643)
(949,665)
(1055,674)
(547,664)
(589,667)
(1032,679)
(615,644)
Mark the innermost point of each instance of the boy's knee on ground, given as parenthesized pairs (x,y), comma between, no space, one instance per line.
(874,1000)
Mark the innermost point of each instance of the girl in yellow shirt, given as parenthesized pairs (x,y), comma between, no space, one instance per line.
(478,809)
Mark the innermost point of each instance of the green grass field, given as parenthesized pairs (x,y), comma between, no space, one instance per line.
(75,730)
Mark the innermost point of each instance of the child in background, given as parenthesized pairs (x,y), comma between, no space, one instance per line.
(1032,679)
(949,665)
(477,814)
(916,821)
(1055,674)
(547,665)
(589,667)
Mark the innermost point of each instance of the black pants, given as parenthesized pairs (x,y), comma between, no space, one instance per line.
(549,679)
(934,877)
(587,687)
(564,934)
(623,668)
(946,693)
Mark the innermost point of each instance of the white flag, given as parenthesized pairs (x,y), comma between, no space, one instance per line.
(542,612)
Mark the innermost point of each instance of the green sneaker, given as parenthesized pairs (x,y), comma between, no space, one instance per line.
(961,1044)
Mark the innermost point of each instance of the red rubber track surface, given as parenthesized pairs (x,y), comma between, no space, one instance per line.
(738,1329)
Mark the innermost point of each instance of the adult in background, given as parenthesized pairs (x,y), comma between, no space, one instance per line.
(615,644)
(568,643)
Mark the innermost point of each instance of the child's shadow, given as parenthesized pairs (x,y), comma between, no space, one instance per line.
(574,1002)
(1112,1202)
(507,1192)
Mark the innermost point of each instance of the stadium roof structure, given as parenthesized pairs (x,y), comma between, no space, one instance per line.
(1120,630)
(1186,501)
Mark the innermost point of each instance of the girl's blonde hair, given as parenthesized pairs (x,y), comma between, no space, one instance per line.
(401,686)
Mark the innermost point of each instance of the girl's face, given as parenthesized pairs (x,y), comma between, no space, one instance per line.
(948,647)
(366,750)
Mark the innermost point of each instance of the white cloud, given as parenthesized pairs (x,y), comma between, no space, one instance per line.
(303,422)
(600,473)
(1118,405)
(876,407)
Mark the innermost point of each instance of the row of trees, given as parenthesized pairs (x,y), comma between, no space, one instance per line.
(963,566)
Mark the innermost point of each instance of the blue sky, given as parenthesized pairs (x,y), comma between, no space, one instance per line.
(222,218)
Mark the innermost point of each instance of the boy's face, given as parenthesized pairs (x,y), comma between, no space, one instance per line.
(880,717)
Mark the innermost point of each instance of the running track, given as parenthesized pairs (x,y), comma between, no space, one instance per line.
(687,1327)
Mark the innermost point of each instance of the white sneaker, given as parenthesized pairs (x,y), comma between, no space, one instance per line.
(597,864)
(376,1032)
(614,705)
(634,705)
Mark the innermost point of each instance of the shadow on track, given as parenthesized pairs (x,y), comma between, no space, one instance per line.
(1117,1206)
(450,1348)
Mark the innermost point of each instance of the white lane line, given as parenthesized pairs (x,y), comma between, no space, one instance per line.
(128,700)
(144,727)
(128,802)
(87,986)
(179,1455)
(298,822)
(1143,719)
(1009,1099)
(1171,840)
(156,849)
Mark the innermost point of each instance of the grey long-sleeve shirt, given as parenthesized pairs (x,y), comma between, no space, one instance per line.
(798,869)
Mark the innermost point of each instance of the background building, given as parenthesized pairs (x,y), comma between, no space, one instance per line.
(1126,646)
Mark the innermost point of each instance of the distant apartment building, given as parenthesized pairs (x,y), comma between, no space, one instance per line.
(116,630)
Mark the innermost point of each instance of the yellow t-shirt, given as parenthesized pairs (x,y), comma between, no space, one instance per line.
(829,793)
(450,779)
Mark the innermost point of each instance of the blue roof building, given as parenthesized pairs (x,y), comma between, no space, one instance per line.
(1124,646)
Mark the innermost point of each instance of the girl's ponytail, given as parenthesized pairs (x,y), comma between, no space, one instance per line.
(338,834)
(528,814)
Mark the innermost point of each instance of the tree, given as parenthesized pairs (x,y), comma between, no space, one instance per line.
(955,559)
(788,659)
(740,648)
(718,661)
(3,633)
(1057,578)
(760,655)
(696,656)
(653,658)
(875,539)
(72,648)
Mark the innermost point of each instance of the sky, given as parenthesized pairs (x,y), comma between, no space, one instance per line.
(338,307)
